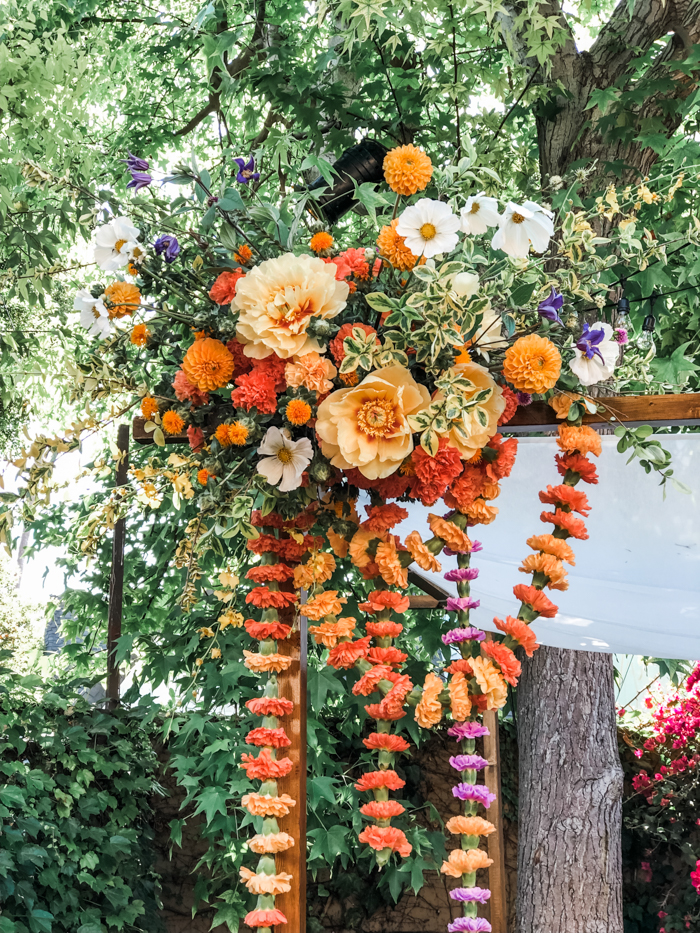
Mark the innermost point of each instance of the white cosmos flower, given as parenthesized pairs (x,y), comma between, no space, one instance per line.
(114,243)
(94,317)
(286,459)
(595,356)
(479,213)
(429,227)
(521,227)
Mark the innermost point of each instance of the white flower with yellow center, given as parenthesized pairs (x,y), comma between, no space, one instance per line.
(114,244)
(429,227)
(521,227)
(479,213)
(94,317)
(284,459)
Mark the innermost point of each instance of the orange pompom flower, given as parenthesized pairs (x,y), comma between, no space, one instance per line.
(243,254)
(469,826)
(203,476)
(575,526)
(122,299)
(374,779)
(223,291)
(506,660)
(407,170)
(520,631)
(532,364)
(172,422)
(386,837)
(139,335)
(386,742)
(382,809)
(584,440)
(392,247)
(149,407)
(321,241)
(297,412)
(208,364)
(265,767)
(551,545)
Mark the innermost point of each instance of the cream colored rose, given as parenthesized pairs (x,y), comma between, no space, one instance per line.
(277,299)
(366,426)
(494,407)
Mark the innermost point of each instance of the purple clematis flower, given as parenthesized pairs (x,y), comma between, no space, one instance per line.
(458,635)
(167,245)
(589,342)
(478,792)
(467,730)
(461,603)
(246,171)
(550,307)
(140,177)
(469,925)
(461,574)
(481,895)
(135,163)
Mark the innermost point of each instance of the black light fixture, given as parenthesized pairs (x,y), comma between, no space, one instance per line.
(622,311)
(358,164)
(645,341)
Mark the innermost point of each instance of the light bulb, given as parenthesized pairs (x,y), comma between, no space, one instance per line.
(645,342)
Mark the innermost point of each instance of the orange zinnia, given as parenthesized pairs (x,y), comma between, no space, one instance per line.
(389,743)
(386,837)
(584,439)
(563,495)
(550,566)
(506,660)
(374,779)
(425,559)
(382,809)
(575,526)
(454,537)
(392,247)
(122,299)
(271,843)
(429,709)
(347,653)
(324,604)
(460,701)
(532,364)
(470,826)
(520,631)
(464,862)
(551,545)
(407,170)
(321,241)
(172,422)
(208,364)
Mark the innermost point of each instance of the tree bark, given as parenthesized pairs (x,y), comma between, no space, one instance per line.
(570,808)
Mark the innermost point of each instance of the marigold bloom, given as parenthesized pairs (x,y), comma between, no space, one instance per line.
(324,604)
(389,743)
(384,629)
(266,884)
(374,779)
(382,518)
(262,805)
(139,335)
(270,706)
(271,843)
(407,170)
(392,247)
(491,681)
(464,862)
(203,476)
(470,826)
(454,537)
(391,656)
(265,767)
(237,434)
(549,565)
(271,738)
(584,440)
(378,600)
(329,634)
(551,545)
(172,422)
(460,701)
(566,520)
(382,809)
(321,241)
(536,599)
(506,660)
(221,434)
(243,254)
(223,291)
(347,653)
(122,299)
(566,495)
(208,364)
(264,918)
(297,412)
(532,364)
(264,663)
(390,567)
(149,407)
(429,709)
(386,837)
(577,464)
(266,573)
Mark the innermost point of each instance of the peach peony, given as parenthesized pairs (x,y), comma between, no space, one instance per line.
(366,426)
(491,681)
(470,826)
(271,843)
(464,862)
(208,365)
(311,371)
(277,299)
(532,364)
(473,435)
(429,709)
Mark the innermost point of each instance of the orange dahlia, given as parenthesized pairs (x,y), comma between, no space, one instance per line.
(407,170)
(520,631)
(122,299)
(535,599)
(392,247)
(551,545)
(172,422)
(321,241)
(464,862)
(386,837)
(532,364)
(550,566)
(584,439)
(149,407)
(208,364)
(470,826)
(139,335)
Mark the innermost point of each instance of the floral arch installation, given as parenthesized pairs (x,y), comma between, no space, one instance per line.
(306,373)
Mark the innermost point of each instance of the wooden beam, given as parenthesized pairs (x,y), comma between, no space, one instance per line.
(141,436)
(116,580)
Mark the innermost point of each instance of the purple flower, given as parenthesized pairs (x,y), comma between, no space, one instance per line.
(467,730)
(589,341)
(136,164)
(621,336)
(524,398)
(469,925)
(458,635)
(470,894)
(475,548)
(139,172)
(468,762)
(246,171)
(168,245)
(478,792)
(462,574)
(461,603)
(550,307)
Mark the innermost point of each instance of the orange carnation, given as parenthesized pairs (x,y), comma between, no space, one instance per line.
(312,371)
(329,634)
(470,826)
(550,566)
(387,559)
(374,779)
(551,545)
(390,656)
(317,569)
(464,862)
(122,299)
(358,547)
(262,805)
(577,464)
(392,247)
(425,559)
(382,809)
(382,518)
(480,513)
(491,681)
(265,767)
(223,291)
(407,170)
(264,918)
(369,681)
(564,495)
(339,544)
(172,422)
(264,598)
(264,663)
(265,573)
(575,526)
(584,440)
(532,364)
(460,701)
(208,364)
(379,600)
(454,537)
(383,629)
(269,706)
(389,743)
(460,666)
(271,843)
(268,738)
(347,653)
(429,709)
(520,631)
(536,599)
(506,660)
(264,630)
(324,604)
(386,837)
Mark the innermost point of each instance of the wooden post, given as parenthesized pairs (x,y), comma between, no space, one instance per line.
(116,580)
(293,686)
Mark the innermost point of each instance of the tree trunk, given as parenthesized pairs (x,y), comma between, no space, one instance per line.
(570,810)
